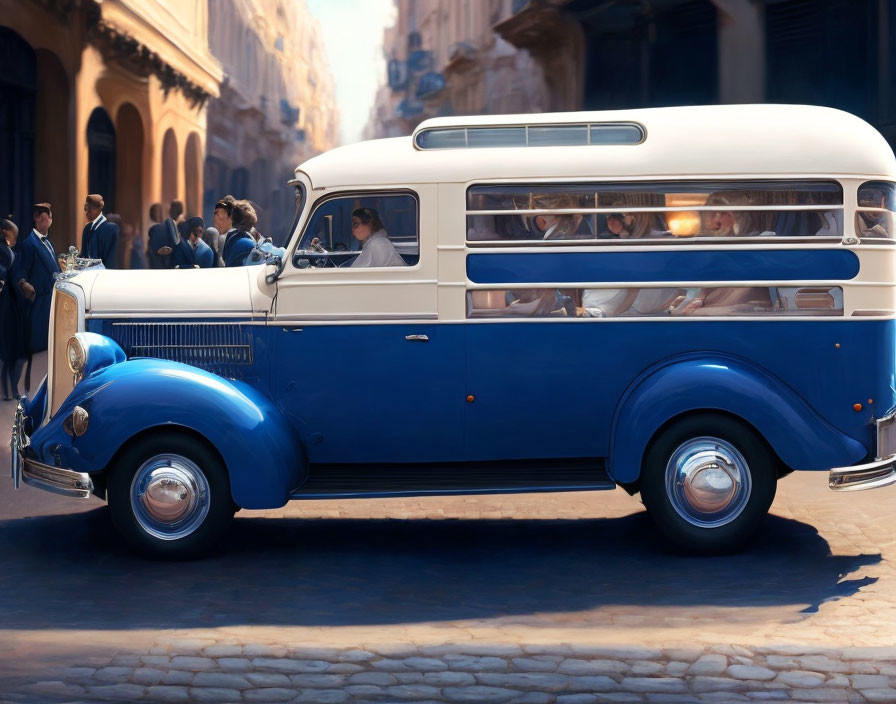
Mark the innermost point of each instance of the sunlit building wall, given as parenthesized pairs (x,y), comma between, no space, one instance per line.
(482,72)
(498,56)
(276,106)
(106,97)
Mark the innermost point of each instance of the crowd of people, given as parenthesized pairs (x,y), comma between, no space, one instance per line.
(184,242)
(29,264)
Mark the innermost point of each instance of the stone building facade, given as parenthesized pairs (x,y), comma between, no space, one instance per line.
(106,96)
(482,72)
(276,106)
(509,56)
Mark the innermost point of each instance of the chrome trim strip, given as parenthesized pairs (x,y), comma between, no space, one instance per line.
(57,480)
(397,493)
(169,316)
(872,475)
(655,209)
(680,283)
(181,313)
(294,282)
(673,319)
(662,244)
(354,316)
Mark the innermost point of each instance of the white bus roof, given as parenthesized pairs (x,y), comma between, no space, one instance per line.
(682,142)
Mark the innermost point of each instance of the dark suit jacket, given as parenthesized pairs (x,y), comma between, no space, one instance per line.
(237,247)
(163,234)
(36,265)
(183,256)
(101,243)
(204,255)
(12,336)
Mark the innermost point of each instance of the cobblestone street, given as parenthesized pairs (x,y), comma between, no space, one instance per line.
(531,598)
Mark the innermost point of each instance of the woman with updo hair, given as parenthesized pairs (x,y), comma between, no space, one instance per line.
(557,226)
(730,223)
(239,243)
(376,247)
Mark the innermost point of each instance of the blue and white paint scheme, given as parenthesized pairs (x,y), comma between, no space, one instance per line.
(307,380)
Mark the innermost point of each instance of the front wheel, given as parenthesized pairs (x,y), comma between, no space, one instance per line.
(169,496)
(707,481)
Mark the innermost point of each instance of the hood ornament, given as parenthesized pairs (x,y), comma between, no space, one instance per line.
(72,264)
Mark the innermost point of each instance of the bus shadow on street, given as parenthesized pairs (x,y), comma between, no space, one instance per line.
(73,571)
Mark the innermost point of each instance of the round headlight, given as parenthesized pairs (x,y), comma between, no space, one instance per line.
(76,354)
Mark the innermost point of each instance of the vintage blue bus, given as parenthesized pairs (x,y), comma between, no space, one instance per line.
(688,303)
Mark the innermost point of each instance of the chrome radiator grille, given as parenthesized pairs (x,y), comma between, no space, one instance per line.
(886,437)
(221,348)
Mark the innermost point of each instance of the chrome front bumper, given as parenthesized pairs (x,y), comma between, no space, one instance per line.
(37,474)
(864,476)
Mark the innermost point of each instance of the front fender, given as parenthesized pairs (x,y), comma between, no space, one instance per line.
(257,443)
(800,437)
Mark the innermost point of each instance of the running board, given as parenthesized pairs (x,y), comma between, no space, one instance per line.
(369,481)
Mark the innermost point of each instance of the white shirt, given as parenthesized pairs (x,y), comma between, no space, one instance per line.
(100,219)
(44,241)
(378,250)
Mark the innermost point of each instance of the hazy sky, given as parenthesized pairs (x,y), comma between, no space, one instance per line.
(353,39)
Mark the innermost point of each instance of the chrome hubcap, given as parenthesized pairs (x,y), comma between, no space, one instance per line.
(169,496)
(708,482)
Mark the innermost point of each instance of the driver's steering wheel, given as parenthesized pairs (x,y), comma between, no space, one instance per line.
(312,259)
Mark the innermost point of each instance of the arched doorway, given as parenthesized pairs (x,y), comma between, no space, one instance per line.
(169,168)
(54,170)
(18,85)
(130,170)
(101,157)
(192,166)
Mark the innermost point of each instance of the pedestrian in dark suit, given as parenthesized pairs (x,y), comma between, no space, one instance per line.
(182,256)
(239,243)
(223,223)
(33,272)
(163,237)
(192,251)
(205,255)
(212,238)
(12,344)
(155,217)
(99,240)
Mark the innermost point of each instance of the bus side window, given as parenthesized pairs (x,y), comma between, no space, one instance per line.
(877,203)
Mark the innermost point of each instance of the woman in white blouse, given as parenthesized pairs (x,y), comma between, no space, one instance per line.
(376,247)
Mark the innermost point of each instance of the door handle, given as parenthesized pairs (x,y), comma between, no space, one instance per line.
(417,338)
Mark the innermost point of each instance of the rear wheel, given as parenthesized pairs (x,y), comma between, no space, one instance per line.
(707,481)
(169,496)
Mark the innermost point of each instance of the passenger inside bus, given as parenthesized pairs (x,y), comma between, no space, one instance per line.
(730,223)
(873,223)
(558,226)
(638,225)
(729,300)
